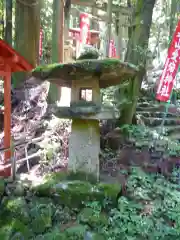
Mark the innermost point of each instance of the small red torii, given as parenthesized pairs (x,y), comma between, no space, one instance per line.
(10,61)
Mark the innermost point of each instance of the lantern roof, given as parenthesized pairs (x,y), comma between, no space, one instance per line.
(108,71)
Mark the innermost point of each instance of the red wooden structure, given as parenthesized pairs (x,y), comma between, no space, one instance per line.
(10,61)
(75,33)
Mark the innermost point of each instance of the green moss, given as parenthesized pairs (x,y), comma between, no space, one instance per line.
(81,176)
(45,189)
(84,63)
(109,189)
(88,215)
(47,67)
(74,193)
(83,69)
(62,176)
(67,190)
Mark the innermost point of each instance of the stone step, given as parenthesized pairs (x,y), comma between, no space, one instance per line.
(154,121)
(157,114)
(159,144)
(147,104)
(175,136)
(169,129)
(150,109)
(159,108)
(144,100)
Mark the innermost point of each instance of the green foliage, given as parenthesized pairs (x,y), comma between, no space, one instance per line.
(46,16)
(150,210)
(144,137)
(46,19)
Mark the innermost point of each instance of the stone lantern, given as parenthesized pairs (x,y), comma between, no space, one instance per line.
(86,78)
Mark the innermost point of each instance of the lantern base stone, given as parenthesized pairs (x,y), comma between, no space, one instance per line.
(84,147)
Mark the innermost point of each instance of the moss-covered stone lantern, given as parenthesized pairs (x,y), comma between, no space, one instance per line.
(86,78)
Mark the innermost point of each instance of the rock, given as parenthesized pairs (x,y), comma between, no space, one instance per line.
(142,143)
(19,190)
(51,180)
(115,138)
(156,155)
(93,236)
(74,193)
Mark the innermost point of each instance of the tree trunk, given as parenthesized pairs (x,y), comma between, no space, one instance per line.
(173,17)
(109,23)
(129,4)
(136,53)
(94,22)
(2,34)
(54,91)
(27,32)
(8,29)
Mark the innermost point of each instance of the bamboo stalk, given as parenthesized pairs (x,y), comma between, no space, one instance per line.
(34,140)
(23,159)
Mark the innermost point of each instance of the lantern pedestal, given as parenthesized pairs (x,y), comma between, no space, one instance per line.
(84,147)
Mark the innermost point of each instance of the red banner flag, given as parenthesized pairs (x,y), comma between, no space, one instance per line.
(84,28)
(112,49)
(168,76)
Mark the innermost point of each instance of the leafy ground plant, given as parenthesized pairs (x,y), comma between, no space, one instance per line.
(149,210)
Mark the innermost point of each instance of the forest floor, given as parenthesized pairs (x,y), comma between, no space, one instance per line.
(137,197)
